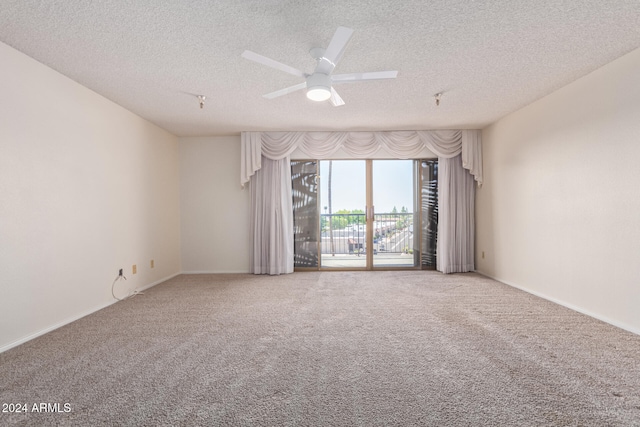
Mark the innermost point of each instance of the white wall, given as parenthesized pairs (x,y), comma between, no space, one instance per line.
(214,209)
(559,213)
(86,188)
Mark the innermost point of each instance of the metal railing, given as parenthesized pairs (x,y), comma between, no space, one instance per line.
(346,233)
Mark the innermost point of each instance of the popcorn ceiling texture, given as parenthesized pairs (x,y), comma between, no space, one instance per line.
(489,58)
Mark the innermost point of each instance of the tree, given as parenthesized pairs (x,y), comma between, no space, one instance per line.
(341,220)
(350,217)
(357,217)
(394,210)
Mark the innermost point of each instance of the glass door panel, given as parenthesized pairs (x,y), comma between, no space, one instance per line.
(393,196)
(343,221)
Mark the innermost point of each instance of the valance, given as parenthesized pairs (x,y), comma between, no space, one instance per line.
(321,145)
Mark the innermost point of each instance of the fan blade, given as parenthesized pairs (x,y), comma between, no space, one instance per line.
(335,98)
(357,77)
(335,50)
(252,56)
(285,91)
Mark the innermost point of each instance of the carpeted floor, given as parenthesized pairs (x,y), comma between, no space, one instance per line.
(328,349)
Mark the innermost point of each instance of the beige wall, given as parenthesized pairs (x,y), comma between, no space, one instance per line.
(214,208)
(559,213)
(86,188)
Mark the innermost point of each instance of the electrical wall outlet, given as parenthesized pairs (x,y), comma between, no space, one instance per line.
(152,264)
(134,269)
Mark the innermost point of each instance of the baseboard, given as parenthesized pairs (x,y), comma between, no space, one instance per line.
(76,317)
(567,305)
(157,282)
(216,272)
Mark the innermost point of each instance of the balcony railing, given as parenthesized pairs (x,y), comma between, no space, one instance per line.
(346,233)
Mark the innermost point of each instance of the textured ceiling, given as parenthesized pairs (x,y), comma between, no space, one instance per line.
(489,58)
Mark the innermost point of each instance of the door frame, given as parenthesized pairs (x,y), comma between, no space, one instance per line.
(370,218)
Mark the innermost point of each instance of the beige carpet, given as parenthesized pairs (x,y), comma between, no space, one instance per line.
(329,349)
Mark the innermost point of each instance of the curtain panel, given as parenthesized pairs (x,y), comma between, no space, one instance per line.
(266,155)
(271,225)
(456,217)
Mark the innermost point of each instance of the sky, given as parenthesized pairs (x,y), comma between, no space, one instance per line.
(392,185)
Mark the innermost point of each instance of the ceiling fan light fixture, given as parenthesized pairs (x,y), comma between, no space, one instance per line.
(319,93)
(318,87)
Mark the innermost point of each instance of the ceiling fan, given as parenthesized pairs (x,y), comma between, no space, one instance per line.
(319,84)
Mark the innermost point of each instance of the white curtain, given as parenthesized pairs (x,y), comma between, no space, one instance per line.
(456,213)
(472,153)
(460,162)
(321,145)
(272,218)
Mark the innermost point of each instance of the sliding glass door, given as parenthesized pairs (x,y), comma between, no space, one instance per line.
(367,214)
(364,214)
